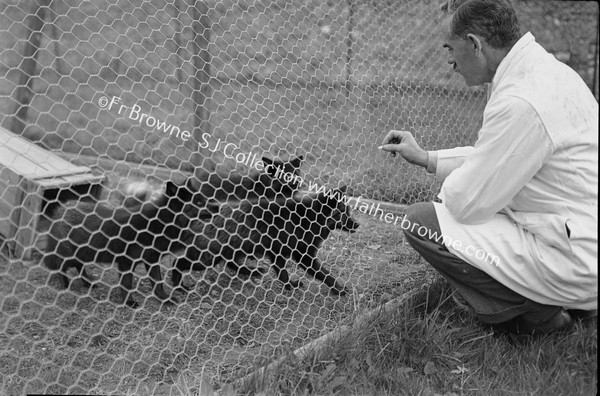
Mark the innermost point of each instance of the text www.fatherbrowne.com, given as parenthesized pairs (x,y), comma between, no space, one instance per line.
(391,218)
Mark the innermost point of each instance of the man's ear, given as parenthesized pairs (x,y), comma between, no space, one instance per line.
(476,42)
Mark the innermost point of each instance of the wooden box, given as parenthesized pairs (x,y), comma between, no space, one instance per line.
(31,178)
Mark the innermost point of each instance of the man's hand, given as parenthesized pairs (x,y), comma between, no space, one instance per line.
(404,143)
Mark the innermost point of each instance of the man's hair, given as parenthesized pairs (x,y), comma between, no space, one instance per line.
(494,20)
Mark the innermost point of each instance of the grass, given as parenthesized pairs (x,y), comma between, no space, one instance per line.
(428,347)
(80,340)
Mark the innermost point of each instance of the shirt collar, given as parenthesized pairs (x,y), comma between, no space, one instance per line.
(512,54)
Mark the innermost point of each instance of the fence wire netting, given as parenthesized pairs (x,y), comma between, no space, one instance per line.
(170,169)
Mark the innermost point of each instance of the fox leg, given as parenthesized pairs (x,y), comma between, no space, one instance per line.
(313,266)
(192,259)
(181,264)
(79,266)
(242,269)
(157,282)
(152,263)
(85,277)
(55,262)
(126,265)
(282,274)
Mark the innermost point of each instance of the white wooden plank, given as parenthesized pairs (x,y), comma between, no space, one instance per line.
(70,180)
(32,161)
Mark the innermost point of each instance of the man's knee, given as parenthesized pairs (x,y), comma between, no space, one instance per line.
(420,216)
(419,210)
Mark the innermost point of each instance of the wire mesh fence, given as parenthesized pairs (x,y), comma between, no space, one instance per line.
(231,148)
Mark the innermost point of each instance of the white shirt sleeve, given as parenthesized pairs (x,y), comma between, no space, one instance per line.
(512,146)
(443,162)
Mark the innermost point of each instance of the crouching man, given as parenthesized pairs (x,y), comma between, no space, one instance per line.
(526,193)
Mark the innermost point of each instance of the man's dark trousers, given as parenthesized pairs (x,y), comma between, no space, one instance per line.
(491,301)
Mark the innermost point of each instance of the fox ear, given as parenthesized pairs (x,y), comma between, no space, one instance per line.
(171,188)
(267,160)
(192,184)
(296,162)
(323,197)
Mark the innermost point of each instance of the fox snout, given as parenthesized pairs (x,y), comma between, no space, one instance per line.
(350,225)
(346,223)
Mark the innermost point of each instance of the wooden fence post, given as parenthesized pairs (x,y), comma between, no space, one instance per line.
(596,66)
(201,93)
(349,51)
(34,23)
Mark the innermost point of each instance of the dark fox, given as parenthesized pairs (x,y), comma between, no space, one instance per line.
(293,227)
(279,179)
(86,232)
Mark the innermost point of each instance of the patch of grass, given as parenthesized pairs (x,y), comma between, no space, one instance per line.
(428,347)
(219,332)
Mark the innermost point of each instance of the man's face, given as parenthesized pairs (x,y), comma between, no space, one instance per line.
(466,59)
